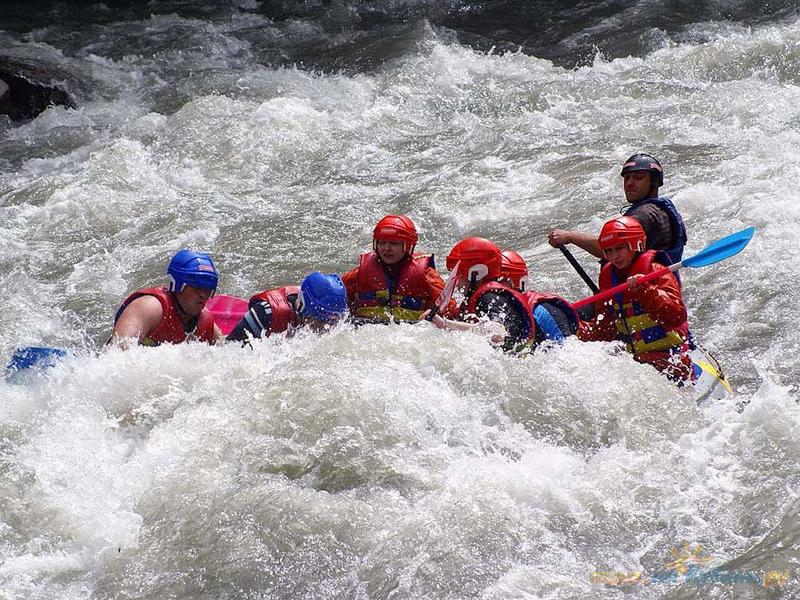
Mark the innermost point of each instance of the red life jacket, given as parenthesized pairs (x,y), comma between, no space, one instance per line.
(522,301)
(283,313)
(170,330)
(643,335)
(403,299)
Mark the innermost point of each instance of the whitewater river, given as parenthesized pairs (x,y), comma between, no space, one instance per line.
(398,461)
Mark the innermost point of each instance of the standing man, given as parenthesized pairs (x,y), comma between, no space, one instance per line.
(661,221)
(173,314)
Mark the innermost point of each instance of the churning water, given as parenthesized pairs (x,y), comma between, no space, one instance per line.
(400,461)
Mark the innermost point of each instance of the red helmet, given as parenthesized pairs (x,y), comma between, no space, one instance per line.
(478,257)
(398,228)
(513,267)
(622,230)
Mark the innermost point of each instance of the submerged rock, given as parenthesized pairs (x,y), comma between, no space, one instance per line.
(28,89)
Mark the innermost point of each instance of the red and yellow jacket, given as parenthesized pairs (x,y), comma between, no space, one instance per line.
(652,320)
(401,292)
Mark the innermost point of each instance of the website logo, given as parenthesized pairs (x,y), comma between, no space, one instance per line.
(690,564)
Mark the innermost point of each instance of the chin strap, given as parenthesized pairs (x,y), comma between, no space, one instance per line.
(177,303)
(473,282)
(189,322)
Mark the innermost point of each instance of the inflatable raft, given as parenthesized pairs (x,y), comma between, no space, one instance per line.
(709,382)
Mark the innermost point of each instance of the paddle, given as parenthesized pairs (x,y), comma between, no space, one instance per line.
(32,357)
(576,265)
(447,293)
(227,311)
(720,250)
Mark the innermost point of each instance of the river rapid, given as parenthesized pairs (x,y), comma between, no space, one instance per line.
(394,461)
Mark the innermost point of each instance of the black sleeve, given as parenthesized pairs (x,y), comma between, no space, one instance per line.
(257,320)
(656,224)
(502,309)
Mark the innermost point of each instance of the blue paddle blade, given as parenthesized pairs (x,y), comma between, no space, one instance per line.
(721,249)
(33,357)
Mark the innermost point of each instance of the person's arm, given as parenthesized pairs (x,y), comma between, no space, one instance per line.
(257,321)
(138,319)
(661,298)
(562,237)
(448,324)
(495,331)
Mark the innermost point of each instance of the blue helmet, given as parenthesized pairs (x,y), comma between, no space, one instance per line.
(323,297)
(192,268)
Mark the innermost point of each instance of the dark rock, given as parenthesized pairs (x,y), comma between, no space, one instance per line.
(27,90)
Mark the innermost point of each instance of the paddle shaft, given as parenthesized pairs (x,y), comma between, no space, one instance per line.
(617,289)
(579,269)
(447,293)
(433,313)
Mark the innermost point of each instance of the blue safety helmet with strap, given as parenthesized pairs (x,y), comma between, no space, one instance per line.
(192,268)
(645,162)
(322,297)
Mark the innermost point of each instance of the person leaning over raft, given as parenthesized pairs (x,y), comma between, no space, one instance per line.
(526,318)
(657,215)
(320,301)
(651,317)
(554,319)
(391,282)
(173,314)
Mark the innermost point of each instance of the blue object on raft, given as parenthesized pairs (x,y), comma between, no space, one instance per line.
(32,357)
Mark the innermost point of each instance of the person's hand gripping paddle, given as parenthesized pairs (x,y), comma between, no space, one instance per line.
(720,250)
